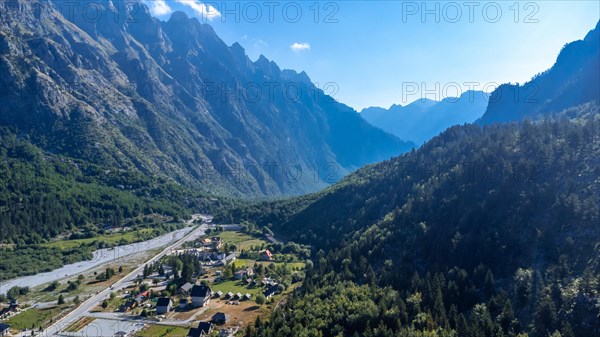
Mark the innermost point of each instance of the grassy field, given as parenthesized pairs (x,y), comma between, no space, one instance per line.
(235,287)
(251,263)
(110,239)
(241,240)
(34,318)
(163,331)
(239,263)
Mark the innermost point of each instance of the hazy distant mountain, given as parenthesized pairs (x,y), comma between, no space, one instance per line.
(573,80)
(425,118)
(172,99)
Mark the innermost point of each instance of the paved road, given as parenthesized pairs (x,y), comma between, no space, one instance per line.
(113,316)
(95,300)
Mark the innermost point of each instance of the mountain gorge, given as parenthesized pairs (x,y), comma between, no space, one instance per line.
(423,119)
(485,230)
(469,217)
(171,99)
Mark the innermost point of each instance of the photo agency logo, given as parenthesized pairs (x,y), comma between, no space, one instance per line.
(270,91)
(454,92)
(326,12)
(130,11)
(469,11)
(127,11)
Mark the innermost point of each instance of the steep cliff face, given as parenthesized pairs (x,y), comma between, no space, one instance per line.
(107,82)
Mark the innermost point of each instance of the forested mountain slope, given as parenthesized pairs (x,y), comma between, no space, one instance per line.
(43,196)
(487,231)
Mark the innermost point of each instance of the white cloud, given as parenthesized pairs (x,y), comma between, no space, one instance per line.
(158,7)
(298,47)
(261,43)
(205,11)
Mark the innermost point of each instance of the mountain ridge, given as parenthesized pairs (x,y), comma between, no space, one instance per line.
(424,118)
(170,98)
(572,80)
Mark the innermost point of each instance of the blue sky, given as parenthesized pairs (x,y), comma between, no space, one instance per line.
(378,53)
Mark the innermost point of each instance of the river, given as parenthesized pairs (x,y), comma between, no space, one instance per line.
(101,256)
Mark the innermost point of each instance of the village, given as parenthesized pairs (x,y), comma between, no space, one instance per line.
(213,286)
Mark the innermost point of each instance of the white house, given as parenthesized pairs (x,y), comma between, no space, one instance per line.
(163,305)
(4,329)
(200,295)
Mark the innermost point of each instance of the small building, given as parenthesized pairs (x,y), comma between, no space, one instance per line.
(219,294)
(183,303)
(163,305)
(247,296)
(268,282)
(272,290)
(220,318)
(239,296)
(225,333)
(211,256)
(203,329)
(4,329)
(200,295)
(142,297)
(187,287)
(265,255)
(217,242)
(241,274)
(227,260)
(206,242)
(230,295)
(127,306)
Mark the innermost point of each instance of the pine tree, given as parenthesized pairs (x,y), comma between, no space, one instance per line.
(545,316)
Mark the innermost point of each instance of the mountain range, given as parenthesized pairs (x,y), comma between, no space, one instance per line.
(423,119)
(572,81)
(485,230)
(171,99)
